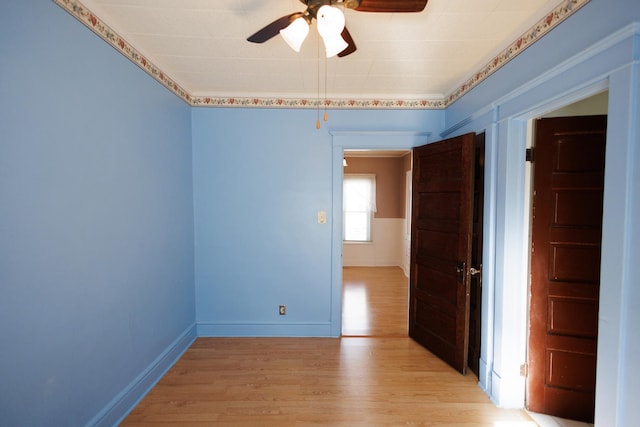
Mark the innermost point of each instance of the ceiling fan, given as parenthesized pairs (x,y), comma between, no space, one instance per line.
(331,23)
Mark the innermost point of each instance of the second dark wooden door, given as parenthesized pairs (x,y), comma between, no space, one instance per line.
(565,265)
(441,236)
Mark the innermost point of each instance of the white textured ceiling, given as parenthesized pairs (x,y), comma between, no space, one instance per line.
(201,45)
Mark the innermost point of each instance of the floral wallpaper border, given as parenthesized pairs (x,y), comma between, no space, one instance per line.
(542,27)
(207,101)
(88,18)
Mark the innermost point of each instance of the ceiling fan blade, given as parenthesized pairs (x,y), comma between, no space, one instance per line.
(274,28)
(392,6)
(352,45)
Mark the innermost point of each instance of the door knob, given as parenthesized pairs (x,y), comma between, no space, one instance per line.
(474,271)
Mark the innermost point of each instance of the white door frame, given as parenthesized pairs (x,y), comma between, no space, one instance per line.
(509,303)
(341,140)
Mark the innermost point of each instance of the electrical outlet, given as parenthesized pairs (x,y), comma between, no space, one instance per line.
(282,310)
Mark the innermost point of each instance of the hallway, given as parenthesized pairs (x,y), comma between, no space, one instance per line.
(375,302)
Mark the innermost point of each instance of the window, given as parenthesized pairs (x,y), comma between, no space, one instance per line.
(359,204)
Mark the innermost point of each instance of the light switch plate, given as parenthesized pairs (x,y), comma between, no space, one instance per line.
(322,217)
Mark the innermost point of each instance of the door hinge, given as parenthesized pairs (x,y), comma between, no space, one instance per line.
(524,370)
(530,155)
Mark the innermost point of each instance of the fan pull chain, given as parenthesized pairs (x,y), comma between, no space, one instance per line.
(326,116)
(318,98)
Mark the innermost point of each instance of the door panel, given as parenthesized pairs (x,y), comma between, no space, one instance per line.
(565,265)
(442,218)
(563,312)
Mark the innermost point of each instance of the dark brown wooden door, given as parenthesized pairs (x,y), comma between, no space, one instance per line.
(475,303)
(565,265)
(442,218)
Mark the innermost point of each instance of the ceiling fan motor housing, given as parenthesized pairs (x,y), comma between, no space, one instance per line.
(349,4)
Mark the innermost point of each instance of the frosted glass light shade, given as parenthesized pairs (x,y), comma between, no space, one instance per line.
(330,21)
(330,26)
(334,45)
(296,33)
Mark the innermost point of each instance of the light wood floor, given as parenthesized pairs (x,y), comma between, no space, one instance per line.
(375,301)
(383,380)
(317,382)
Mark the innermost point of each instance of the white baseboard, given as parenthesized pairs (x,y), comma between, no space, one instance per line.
(229,329)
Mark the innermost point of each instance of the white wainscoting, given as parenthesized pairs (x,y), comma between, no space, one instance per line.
(406,248)
(386,249)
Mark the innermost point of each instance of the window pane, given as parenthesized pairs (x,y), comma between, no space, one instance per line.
(356,226)
(357,194)
(358,206)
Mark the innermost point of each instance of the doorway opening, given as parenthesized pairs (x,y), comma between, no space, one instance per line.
(375,294)
(375,280)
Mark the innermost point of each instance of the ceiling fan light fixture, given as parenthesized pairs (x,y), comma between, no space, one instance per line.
(331,23)
(296,33)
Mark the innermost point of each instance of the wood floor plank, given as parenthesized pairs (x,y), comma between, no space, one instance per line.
(375,301)
(317,381)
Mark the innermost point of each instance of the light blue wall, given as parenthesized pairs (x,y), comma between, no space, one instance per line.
(96,223)
(596,49)
(260,178)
